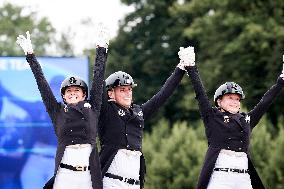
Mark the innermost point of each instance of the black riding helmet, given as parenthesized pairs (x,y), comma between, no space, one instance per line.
(228,88)
(73,81)
(119,78)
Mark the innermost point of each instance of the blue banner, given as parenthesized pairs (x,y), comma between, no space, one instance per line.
(27,138)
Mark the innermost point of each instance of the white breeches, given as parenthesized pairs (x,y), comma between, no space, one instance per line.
(230,180)
(74,155)
(126,164)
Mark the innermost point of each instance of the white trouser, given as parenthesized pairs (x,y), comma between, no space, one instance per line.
(230,180)
(126,164)
(74,155)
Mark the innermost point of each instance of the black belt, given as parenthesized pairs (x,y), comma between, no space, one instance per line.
(76,168)
(231,170)
(127,180)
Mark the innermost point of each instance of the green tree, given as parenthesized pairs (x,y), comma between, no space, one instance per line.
(261,148)
(274,171)
(64,47)
(235,40)
(173,156)
(267,153)
(146,47)
(241,41)
(15,20)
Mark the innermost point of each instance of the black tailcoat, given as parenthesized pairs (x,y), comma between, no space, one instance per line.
(121,128)
(74,124)
(228,131)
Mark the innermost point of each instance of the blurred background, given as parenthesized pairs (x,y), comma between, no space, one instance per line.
(240,41)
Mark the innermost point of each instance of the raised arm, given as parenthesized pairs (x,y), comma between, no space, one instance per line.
(97,83)
(165,92)
(48,98)
(97,86)
(188,55)
(257,112)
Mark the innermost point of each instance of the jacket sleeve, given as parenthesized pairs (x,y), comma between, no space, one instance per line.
(49,100)
(104,98)
(257,112)
(201,96)
(165,92)
(97,85)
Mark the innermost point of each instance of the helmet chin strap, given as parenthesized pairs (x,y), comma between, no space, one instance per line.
(224,110)
(127,107)
(113,100)
(109,98)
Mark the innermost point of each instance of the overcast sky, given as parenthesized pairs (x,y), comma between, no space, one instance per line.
(69,14)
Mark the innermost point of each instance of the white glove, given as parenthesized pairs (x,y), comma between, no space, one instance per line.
(25,43)
(282,74)
(102,36)
(181,66)
(187,57)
